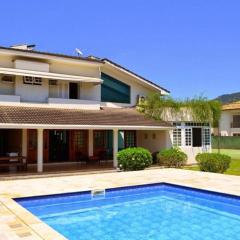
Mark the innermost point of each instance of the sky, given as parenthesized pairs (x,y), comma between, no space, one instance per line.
(190,47)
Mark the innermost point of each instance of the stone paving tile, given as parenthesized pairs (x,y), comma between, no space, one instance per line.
(16,222)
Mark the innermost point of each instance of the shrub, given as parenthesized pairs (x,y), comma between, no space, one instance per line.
(132,159)
(172,157)
(213,162)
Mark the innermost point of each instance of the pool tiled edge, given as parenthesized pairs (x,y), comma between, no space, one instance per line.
(35,227)
(35,187)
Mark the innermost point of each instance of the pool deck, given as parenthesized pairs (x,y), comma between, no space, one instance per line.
(17,223)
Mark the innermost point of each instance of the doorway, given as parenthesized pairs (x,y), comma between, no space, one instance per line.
(197,137)
(73,90)
(58,145)
(103,144)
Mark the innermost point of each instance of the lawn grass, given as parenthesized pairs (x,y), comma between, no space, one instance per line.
(233,153)
(234,168)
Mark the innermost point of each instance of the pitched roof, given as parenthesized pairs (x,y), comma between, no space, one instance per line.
(90,59)
(55,116)
(231,106)
(135,74)
(53,54)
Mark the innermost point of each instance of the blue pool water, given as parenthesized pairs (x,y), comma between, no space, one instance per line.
(148,212)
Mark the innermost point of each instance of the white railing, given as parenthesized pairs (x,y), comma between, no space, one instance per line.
(10,98)
(75,103)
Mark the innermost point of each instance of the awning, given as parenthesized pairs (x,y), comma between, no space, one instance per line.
(57,76)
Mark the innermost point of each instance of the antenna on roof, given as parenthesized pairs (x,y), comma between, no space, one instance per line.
(78,51)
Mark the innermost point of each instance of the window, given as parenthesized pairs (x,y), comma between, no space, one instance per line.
(32,80)
(8,79)
(130,138)
(53,82)
(73,90)
(176,123)
(196,124)
(236,134)
(80,140)
(177,137)
(113,90)
(188,137)
(99,139)
(197,137)
(206,136)
(236,118)
(236,121)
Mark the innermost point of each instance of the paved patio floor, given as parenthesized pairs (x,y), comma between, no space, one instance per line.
(17,223)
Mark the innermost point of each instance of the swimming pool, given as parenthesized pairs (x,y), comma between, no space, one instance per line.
(155,212)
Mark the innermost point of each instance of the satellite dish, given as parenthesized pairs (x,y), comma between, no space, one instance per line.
(78,51)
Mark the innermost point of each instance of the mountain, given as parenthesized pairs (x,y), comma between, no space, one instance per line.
(228,98)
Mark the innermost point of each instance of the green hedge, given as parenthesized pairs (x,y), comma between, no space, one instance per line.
(132,159)
(172,157)
(226,142)
(213,162)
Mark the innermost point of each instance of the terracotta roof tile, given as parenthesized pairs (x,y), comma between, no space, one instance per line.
(231,106)
(55,116)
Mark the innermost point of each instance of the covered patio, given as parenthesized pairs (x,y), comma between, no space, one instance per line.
(58,140)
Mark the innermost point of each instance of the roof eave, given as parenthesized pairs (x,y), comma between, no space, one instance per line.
(65,126)
(48,56)
(144,80)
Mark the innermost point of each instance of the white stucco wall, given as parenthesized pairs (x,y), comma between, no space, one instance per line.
(225,123)
(60,90)
(6,61)
(192,152)
(9,99)
(32,93)
(154,141)
(74,69)
(36,93)
(31,65)
(90,91)
(6,88)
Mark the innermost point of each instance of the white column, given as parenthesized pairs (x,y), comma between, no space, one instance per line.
(115,147)
(24,142)
(39,150)
(90,142)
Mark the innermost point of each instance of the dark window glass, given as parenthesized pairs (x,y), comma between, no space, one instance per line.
(130,139)
(197,137)
(113,90)
(73,90)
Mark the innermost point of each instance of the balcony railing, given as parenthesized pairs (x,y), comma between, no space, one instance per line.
(75,103)
(235,124)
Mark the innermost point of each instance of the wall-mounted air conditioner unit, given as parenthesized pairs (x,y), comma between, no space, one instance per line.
(7,79)
(141,98)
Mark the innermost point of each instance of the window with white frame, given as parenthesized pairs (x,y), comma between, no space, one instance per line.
(206,136)
(188,137)
(177,137)
(32,80)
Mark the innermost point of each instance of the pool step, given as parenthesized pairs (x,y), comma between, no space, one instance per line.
(98,193)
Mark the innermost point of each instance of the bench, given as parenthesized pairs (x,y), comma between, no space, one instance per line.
(17,161)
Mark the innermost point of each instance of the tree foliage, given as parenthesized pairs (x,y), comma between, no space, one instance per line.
(200,108)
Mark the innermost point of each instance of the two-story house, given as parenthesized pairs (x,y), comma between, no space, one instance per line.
(229,124)
(59,108)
